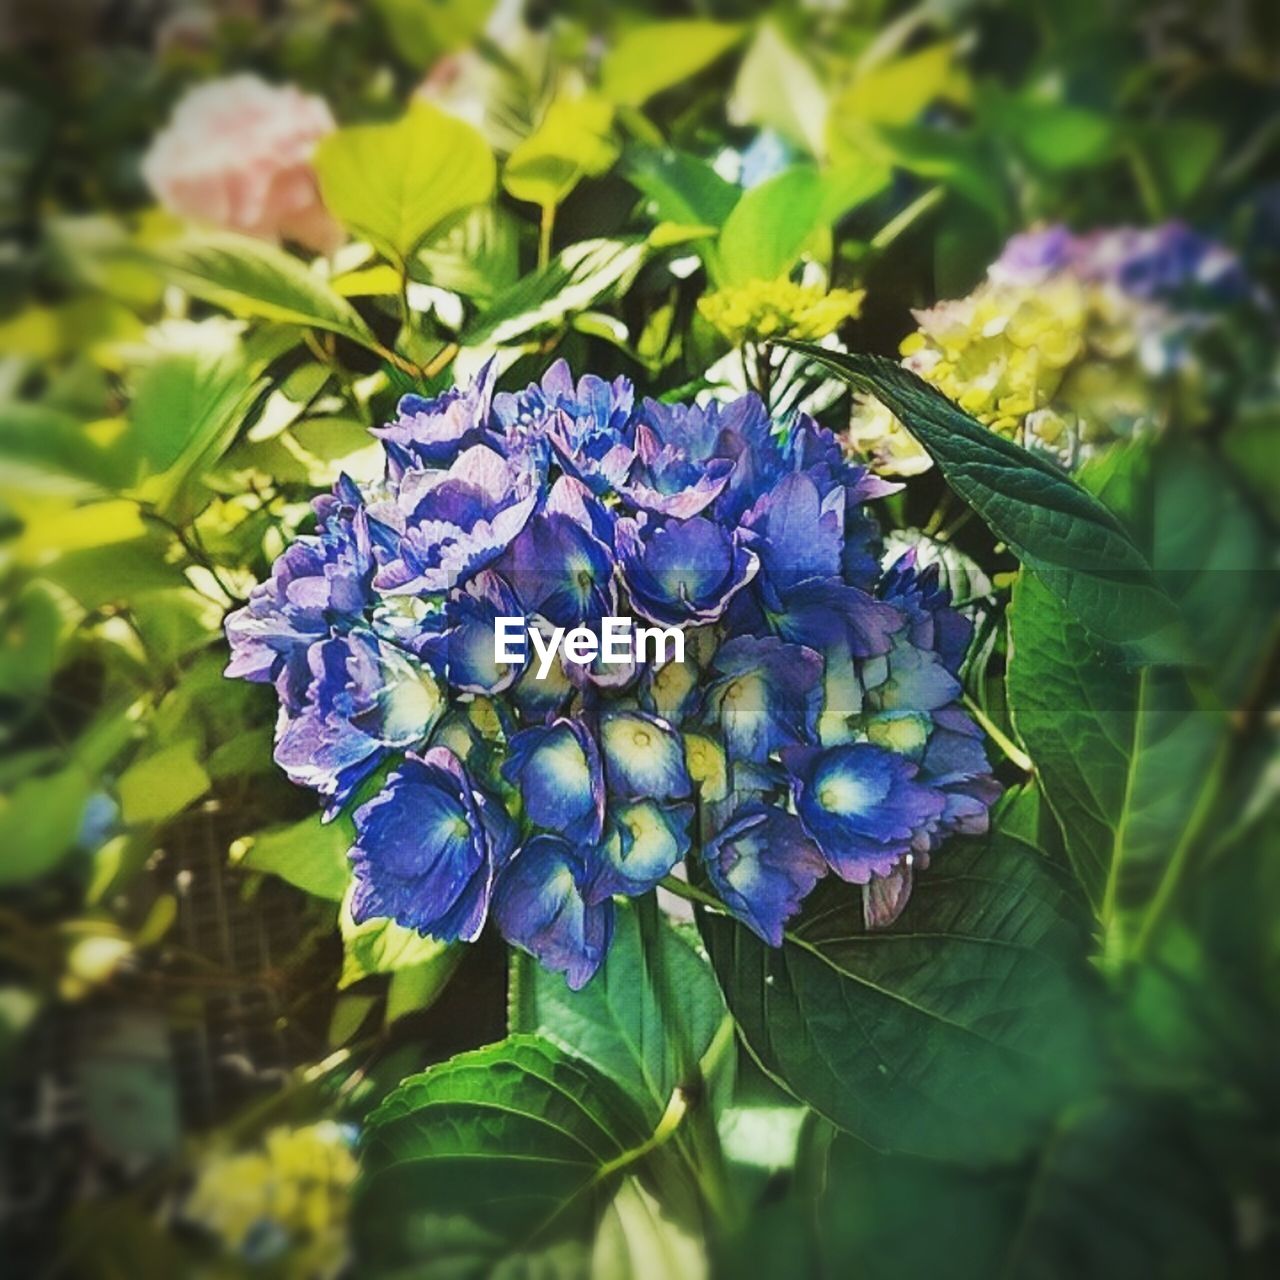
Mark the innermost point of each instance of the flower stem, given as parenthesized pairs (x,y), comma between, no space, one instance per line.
(691,893)
(1012,751)
(902,221)
(546,225)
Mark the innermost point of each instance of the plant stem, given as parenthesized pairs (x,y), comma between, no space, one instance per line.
(672,1118)
(441,359)
(683,889)
(1013,753)
(546,225)
(901,222)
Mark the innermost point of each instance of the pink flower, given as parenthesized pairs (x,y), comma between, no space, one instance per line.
(237,153)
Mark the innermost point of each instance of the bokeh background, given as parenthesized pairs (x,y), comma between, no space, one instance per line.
(191,1029)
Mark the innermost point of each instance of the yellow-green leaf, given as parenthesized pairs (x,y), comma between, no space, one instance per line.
(653,57)
(572,142)
(397,183)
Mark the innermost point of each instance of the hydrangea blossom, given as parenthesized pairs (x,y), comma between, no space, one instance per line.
(237,153)
(1073,341)
(810,722)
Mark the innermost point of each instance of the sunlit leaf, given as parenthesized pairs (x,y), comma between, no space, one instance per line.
(398,183)
(503,1149)
(574,141)
(652,1004)
(309,854)
(380,946)
(657,55)
(777,88)
(250,277)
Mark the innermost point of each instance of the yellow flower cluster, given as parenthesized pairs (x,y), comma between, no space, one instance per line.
(296,1186)
(1002,354)
(763,309)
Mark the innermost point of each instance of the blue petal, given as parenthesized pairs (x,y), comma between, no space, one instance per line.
(642,842)
(539,905)
(763,865)
(557,768)
(767,696)
(643,757)
(424,851)
(862,806)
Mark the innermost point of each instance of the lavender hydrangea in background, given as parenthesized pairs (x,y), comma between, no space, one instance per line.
(816,725)
(1074,341)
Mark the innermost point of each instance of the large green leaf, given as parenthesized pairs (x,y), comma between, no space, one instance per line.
(1118,1191)
(252,278)
(1130,761)
(1073,543)
(398,183)
(1206,546)
(1124,757)
(496,1151)
(960,1031)
(657,55)
(647,1016)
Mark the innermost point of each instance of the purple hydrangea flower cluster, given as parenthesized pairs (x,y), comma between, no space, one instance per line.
(814,725)
(1167,263)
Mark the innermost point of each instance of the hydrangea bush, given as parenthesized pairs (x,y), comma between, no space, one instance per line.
(916,848)
(815,724)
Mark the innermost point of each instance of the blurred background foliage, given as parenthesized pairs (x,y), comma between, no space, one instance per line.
(188,1018)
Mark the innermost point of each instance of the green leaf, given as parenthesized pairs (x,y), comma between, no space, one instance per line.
(576,279)
(637,1241)
(1057,136)
(186,411)
(648,1014)
(47,439)
(684,190)
(776,88)
(1060,531)
(960,1031)
(416,988)
(380,946)
(311,855)
(657,55)
(512,1147)
(769,226)
(1206,546)
(1130,761)
(477,257)
(574,141)
(1119,1191)
(1123,757)
(39,822)
(398,183)
(250,277)
(162,784)
(424,30)
(1181,154)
